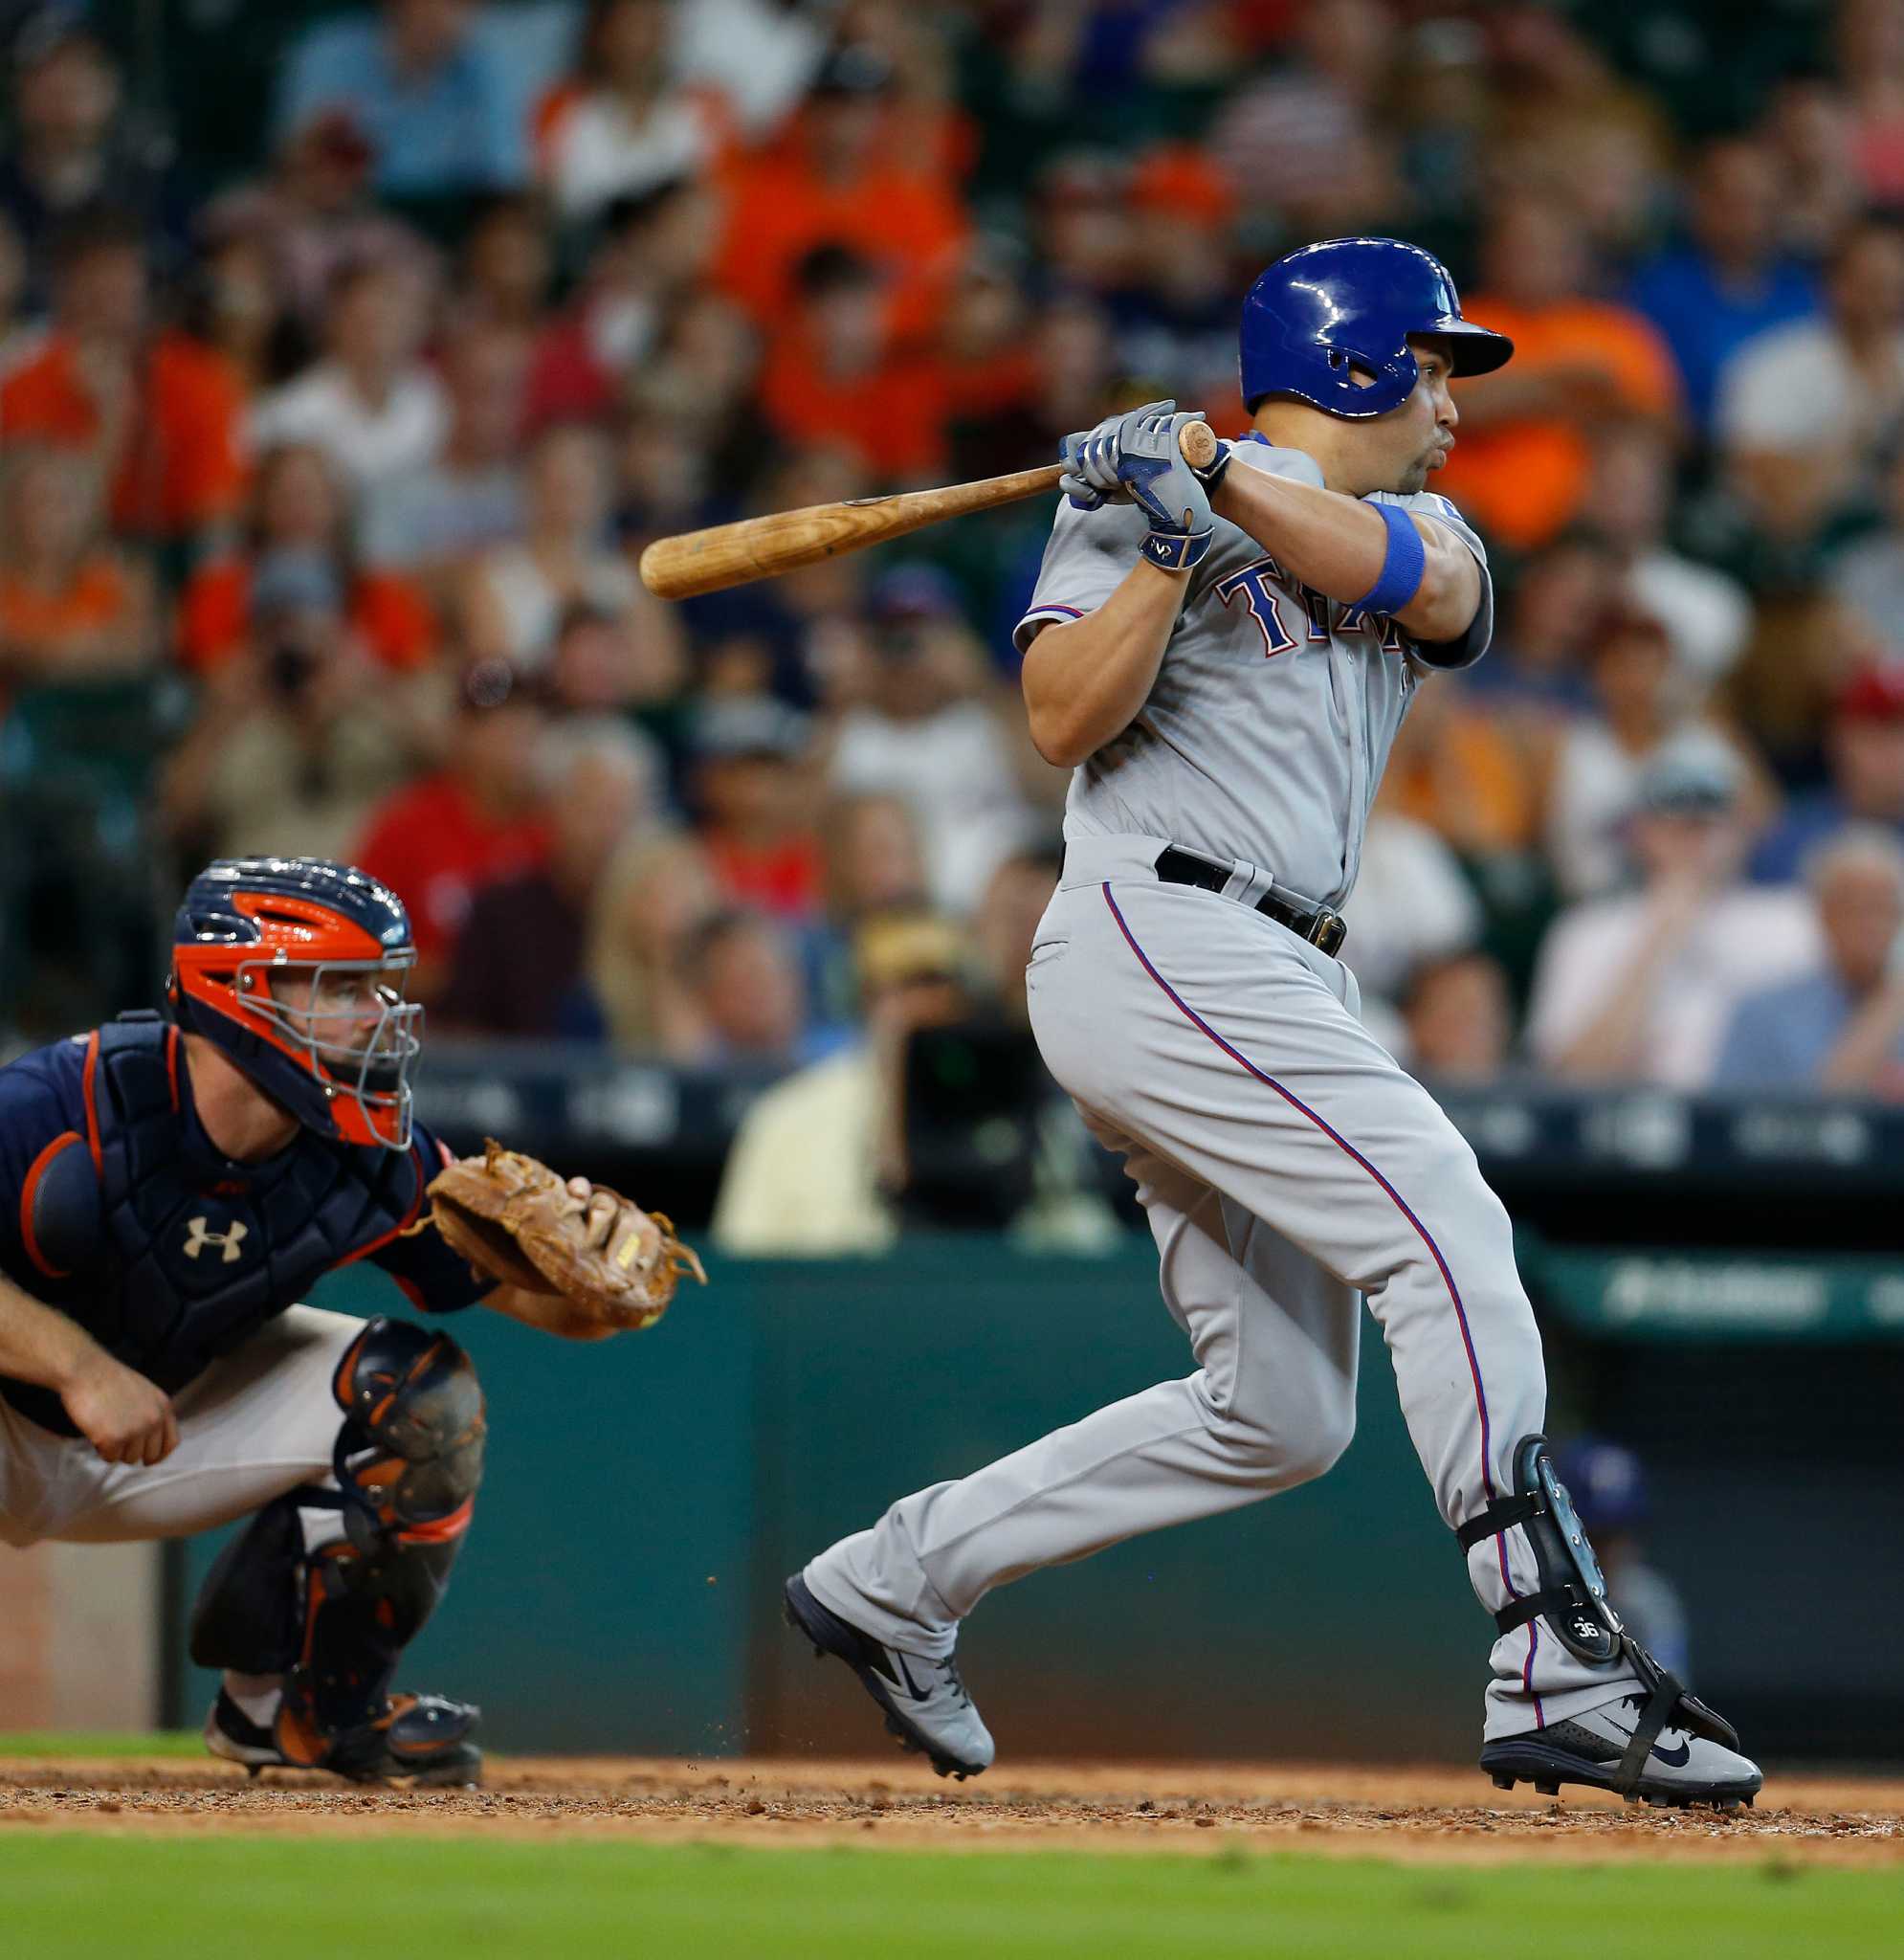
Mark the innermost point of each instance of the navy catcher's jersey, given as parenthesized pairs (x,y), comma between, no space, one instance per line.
(116,1208)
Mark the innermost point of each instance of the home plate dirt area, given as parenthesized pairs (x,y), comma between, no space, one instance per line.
(1436,1814)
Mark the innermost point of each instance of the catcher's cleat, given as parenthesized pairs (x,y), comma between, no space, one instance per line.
(1680,1768)
(925,1702)
(418,1742)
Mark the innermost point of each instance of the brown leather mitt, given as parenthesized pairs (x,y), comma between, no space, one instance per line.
(514,1221)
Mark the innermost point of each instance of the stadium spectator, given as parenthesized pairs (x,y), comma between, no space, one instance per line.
(1731,278)
(832,375)
(468,499)
(749,799)
(371,404)
(654,893)
(507,264)
(437,108)
(872,861)
(1083,243)
(1410,903)
(1808,125)
(67,156)
(744,968)
(1457,1018)
(515,594)
(314,215)
(1064,384)
(1521,463)
(1870,574)
(1869,43)
(154,414)
(1838,1029)
(1005,926)
(235,307)
(1471,774)
(519,962)
(842,175)
(73,609)
(297,511)
(649,255)
(927,731)
(1641,988)
(1707,615)
(301,731)
(1804,412)
(1864,751)
(1550,610)
(623,127)
(759,55)
(812,1169)
(1600,757)
(20,331)
(617,662)
(479,816)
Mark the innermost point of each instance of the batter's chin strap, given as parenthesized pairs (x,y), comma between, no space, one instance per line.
(1571,1598)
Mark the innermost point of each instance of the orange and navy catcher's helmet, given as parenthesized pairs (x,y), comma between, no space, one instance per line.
(296,967)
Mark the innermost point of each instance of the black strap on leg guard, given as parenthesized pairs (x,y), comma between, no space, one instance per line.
(1572,1600)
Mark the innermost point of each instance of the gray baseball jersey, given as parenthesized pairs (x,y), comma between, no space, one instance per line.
(1289,1168)
(1268,725)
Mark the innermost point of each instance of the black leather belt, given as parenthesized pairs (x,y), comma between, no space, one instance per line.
(1322,928)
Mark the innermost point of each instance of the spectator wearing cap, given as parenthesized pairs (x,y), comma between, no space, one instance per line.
(1805,411)
(1864,754)
(154,414)
(1521,464)
(1641,988)
(1840,1028)
(816,1159)
(300,729)
(840,175)
(67,157)
(749,793)
(927,731)
(297,511)
(518,962)
(833,376)
(73,609)
(1731,278)
(428,522)
(371,404)
(477,817)
(623,126)
(441,114)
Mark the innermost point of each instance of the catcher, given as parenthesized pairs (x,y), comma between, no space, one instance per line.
(169,1187)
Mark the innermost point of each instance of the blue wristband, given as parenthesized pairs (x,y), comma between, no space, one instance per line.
(1178,550)
(1401,569)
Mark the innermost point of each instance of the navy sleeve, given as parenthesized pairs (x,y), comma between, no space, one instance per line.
(41,1100)
(435,1279)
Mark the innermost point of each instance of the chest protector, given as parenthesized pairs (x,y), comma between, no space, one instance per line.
(198,1252)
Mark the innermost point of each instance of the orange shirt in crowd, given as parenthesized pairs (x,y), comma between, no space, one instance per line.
(97,597)
(181,464)
(432,845)
(779,208)
(893,416)
(1524,481)
(392,618)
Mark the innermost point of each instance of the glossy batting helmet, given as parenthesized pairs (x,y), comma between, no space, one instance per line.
(296,967)
(1352,304)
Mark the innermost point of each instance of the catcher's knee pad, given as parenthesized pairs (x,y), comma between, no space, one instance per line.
(334,1607)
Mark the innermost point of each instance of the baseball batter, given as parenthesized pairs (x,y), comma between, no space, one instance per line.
(169,1188)
(1224,657)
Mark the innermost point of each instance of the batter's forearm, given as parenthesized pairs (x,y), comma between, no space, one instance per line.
(1338,544)
(38,1344)
(1085,681)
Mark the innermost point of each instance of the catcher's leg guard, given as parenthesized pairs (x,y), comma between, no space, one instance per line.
(1572,1602)
(334,1616)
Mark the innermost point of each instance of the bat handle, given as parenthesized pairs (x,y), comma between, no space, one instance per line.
(1196,444)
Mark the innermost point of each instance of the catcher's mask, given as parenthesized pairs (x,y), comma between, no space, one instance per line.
(296,967)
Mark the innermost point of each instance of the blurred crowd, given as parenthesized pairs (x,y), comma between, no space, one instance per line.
(349,359)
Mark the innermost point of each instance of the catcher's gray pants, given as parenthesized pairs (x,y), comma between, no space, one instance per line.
(1286,1165)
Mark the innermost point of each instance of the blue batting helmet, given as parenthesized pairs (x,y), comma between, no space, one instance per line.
(297,968)
(1353,302)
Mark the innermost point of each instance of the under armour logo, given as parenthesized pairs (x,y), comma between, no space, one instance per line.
(197,1238)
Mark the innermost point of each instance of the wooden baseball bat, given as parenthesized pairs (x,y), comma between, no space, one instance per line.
(724,555)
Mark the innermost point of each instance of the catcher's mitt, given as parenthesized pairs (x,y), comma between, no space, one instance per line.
(514,1221)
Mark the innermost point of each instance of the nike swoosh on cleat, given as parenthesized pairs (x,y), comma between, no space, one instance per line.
(1675,1759)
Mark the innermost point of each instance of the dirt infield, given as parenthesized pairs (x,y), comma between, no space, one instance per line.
(1439,1815)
